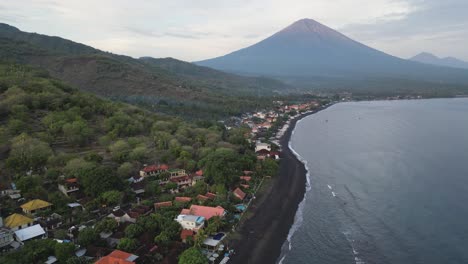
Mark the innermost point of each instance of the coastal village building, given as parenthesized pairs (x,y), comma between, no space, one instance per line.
(51,222)
(153,170)
(69,186)
(121,216)
(34,206)
(262,146)
(238,193)
(6,238)
(185,234)
(162,204)
(18,221)
(177,173)
(183,199)
(191,222)
(35,231)
(206,212)
(118,257)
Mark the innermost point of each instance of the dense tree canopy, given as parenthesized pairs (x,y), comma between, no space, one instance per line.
(28,153)
(192,256)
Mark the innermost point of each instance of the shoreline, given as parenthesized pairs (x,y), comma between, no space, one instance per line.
(263,235)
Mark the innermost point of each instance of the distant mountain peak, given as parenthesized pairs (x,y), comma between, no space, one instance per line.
(429,58)
(425,55)
(307,26)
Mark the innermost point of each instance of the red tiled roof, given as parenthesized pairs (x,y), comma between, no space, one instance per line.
(72,180)
(183,199)
(163,204)
(202,197)
(248,172)
(206,211)
(199,173)
(185,212)
(152,168)
(116,257)
(239,193)
(246,186)
(186,233)
(211,196)
(263,152)
(246,178)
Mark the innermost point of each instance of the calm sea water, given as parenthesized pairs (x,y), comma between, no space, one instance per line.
(388,184)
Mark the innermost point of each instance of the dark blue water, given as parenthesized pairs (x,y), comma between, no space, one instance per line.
(399,172)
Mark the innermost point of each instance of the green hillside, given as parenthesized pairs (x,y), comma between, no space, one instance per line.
(51,133)
(193,91)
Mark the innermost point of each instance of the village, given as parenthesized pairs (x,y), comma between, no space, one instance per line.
(171,209)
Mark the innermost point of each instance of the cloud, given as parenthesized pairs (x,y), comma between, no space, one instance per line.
(436,26)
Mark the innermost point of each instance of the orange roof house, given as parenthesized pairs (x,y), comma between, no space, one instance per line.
(183,199)
(202,197)
(246,178)
(118,257)
(206,211)
(162,204)
(185,233)
(239,193)
(211,196)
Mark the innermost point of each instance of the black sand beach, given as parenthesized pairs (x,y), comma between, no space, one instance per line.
(273,215)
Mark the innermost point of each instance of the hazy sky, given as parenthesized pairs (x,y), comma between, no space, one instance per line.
(200,29)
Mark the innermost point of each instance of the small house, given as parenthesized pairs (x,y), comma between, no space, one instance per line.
(206,211)
(191,222)
(153,170)
(183,199)
(69,186)
(239,194)
(118,257)
(162,204)
(35,206)
(31,232)
(18,221)
(185,234)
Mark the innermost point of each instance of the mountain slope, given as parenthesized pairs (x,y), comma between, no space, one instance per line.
(133,80)
(214,79)
(310,53)
(428,58)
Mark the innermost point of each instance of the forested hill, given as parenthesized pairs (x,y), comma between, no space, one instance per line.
(141,82)
(52,134)
(47,124)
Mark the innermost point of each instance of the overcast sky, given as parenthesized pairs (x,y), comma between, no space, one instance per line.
(200,29)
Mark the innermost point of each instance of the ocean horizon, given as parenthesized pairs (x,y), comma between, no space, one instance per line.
(384,181)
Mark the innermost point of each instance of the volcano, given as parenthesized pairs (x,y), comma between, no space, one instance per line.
(310,51)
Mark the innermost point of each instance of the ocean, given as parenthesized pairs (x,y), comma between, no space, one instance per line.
(388,183)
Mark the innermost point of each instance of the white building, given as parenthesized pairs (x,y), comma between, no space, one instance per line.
(191,222)
(259,146)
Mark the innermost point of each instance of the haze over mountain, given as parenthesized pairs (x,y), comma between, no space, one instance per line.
(310,54)
(145,81)
(429,58)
